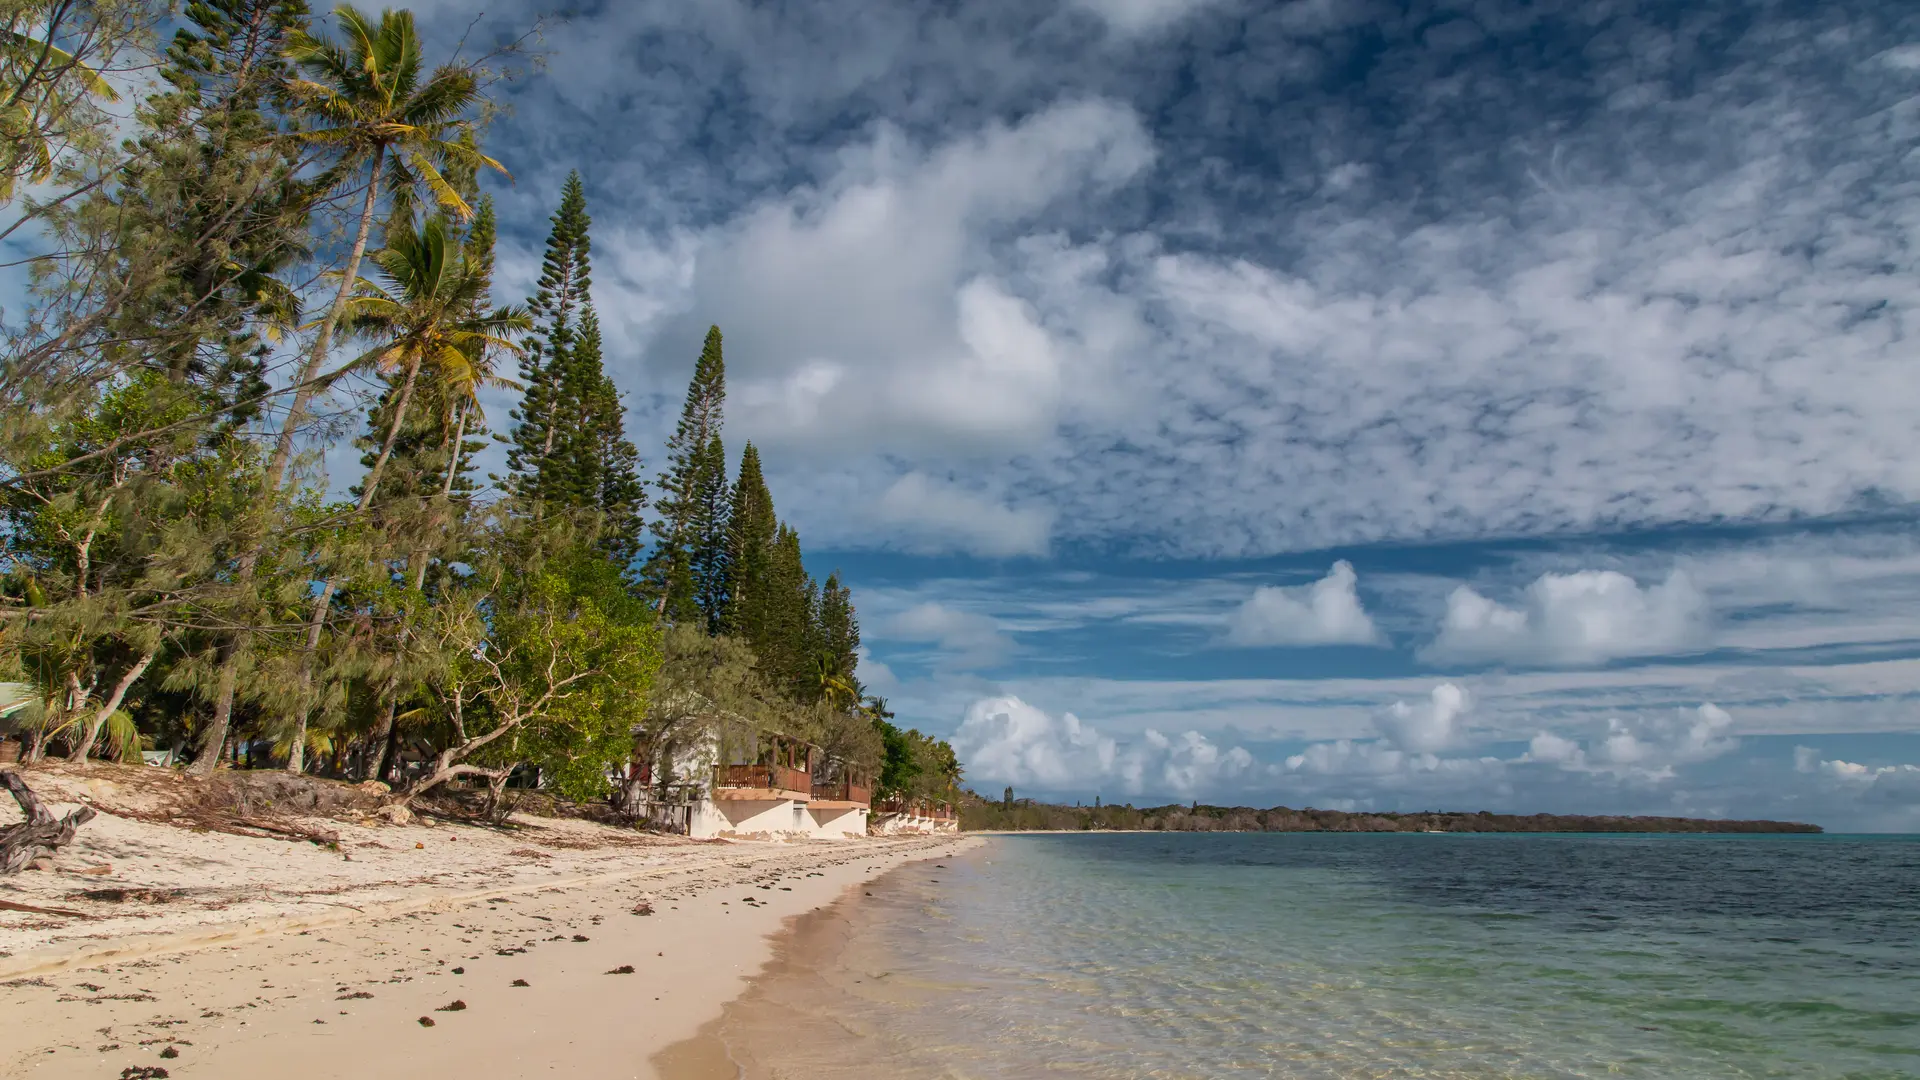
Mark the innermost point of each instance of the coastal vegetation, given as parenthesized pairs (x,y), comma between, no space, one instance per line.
(258,244)
(1025,815)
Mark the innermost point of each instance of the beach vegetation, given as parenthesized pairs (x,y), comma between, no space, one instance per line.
(259,243)
(1028,815)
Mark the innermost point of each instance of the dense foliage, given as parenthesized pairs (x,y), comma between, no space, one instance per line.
(1022,815)
(284,251)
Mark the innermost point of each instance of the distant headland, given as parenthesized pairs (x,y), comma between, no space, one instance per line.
(1025,815)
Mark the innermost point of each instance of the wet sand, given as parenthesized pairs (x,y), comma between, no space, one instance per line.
(823,1005)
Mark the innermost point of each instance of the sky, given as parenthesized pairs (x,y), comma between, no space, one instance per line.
(1357,405)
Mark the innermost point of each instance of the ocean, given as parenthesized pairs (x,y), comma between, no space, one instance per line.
(1097,955)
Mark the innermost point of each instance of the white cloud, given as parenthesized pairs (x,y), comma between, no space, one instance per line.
(1902,57)
(1327,612)
(967,639)
(1583,618)
(1004,740)
(875,675)
(1105,306)
(1138,16)
(1410,738)
(864,314)
(1647,747)
(1899,784)
(935,517)
(1432,725)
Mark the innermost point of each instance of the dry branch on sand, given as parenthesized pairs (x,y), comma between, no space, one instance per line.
(38,836)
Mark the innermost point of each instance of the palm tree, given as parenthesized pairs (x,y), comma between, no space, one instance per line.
(365,101)
(429,312)
(368,103)
(836,687)
(35,88)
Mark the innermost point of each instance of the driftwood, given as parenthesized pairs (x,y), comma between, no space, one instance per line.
(282,830)
(8,905)
(41,834)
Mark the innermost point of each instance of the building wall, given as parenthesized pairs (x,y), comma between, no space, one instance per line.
(838,824)
(752,819)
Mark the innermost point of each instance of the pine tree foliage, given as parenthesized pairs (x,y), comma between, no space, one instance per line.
(707,554)
(689,487)
(751,529)
(545,411)
(170,578)
(570,452)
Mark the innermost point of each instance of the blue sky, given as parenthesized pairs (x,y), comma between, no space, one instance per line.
(1464,405)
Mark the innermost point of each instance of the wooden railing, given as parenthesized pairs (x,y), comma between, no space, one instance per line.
(842,791)
(918,808)
(777,777)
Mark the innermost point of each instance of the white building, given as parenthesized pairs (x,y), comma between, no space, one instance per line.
(774,788)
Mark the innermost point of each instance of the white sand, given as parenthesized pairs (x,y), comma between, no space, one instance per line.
(285,959)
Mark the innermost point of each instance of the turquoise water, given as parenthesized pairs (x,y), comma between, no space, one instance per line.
(1301,955)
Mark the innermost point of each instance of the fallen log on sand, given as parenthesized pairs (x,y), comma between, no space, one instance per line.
(41,834)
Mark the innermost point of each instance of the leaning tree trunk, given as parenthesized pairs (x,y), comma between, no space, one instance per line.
(213,742)
(380,742)
(41,834)
(446,494)
(315,624)
(393,435)
(209,756)
(297,755)
(109,707)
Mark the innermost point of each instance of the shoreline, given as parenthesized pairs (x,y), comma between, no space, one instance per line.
(292,960)
(818,1005)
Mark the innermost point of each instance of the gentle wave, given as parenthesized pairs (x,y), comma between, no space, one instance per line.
(1111,956)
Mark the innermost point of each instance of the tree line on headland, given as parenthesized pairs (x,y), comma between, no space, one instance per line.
(280,249)
(1025,815)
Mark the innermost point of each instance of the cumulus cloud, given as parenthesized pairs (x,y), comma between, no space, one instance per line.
(1411,737)
(863,310)
(966,639)
(1896,784)
(935,517)
(1647,747)
(1327,612)
(1583,618)
(1551,298)
(1431,725)
(1004,740)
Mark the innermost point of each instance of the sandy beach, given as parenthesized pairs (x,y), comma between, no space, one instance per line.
(410,950)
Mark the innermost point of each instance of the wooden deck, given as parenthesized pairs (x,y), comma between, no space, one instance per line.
(761,782)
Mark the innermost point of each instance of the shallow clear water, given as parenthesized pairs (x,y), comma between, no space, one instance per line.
(1303,955)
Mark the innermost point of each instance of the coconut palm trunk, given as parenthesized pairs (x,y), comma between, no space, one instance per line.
(235,652)
(296,757)
(419,556)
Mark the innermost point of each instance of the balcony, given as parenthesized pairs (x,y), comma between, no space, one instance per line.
(761,782)
(842,794)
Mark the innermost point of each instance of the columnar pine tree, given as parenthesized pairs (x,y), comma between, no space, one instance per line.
(569,450)
(708,554)
(596,468)
(751,528)
(557,306)
(839,651)
(696,471)
(784,633)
